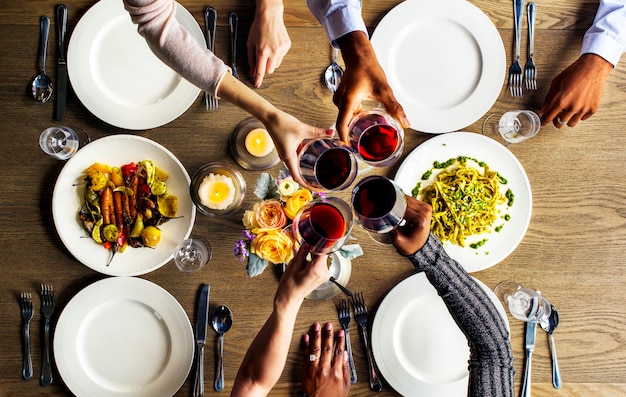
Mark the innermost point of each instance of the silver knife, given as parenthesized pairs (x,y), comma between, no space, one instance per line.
(61,73)
(233,24)
(202,323)
(531,328)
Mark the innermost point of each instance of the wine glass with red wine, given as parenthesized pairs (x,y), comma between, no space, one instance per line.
(327,164)
(324,224)
(376,137)
(379,206)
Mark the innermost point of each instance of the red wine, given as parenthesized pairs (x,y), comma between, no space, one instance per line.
(322,221)
(378,142)
(374,198)
(333,168)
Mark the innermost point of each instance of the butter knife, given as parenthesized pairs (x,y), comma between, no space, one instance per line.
(61,75)
(202,322)
(233,25)
(531,329)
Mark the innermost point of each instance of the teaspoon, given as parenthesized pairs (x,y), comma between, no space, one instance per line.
(42,83)
(333,73)
(549,326)
(222,321)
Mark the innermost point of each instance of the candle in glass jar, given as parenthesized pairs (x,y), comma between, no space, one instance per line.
(259,143)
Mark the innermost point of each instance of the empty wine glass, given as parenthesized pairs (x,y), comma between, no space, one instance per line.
(512,127)
(62,142)
(324,224)
(192,254)
(379,206)
(327,164)
(376,137)
(524,303)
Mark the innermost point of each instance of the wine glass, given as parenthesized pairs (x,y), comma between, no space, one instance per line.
(376,137)
(379,206)
(327,164)
(524,303)
(324,224)
(514,126)
(62,142)
(192,254)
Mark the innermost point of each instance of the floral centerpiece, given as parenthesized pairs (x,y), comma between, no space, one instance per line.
(267,236)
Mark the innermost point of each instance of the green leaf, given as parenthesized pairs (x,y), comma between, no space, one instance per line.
(266,187)
(256,265)
(351,251)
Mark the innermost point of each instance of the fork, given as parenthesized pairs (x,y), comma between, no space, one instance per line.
(47,308)
(530,71)
(343,311)
(26,310)
(515,71)
(210,19)
(360,316)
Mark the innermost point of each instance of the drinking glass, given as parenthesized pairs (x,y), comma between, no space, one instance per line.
(379,206)
(62,142)
(524,303)
(324,224)
(327,164)
(376,137)
(192,254)
(514,126)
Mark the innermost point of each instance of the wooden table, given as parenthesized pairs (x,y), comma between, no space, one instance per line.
(572,252)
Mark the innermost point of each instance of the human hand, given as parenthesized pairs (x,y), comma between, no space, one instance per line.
(268,40)
(301,276)
(328,373)
(410,237)
(575,93)
(363,79)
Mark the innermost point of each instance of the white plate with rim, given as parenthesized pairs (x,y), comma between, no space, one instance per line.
(443,147)
(123,336)
(118,78)
(117,150)
(417,346)
(444,60)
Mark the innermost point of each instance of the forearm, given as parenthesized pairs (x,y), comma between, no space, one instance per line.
(491,359)
(265,359)
(338,17)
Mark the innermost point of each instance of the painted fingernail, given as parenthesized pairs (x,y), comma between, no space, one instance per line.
(316,327)
(329,326)
(342,333)
(306,338)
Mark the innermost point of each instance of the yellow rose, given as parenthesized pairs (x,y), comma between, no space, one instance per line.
(287,188)
(272,245)
(270,214)
(249,218)
(295,202)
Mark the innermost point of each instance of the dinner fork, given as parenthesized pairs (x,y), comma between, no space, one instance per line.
(530,71)
(210,20)
(343,311)
(360,316)
(26,310)
(47,308)
(515,71)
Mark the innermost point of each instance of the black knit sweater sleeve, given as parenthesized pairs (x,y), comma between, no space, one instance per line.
(491,359)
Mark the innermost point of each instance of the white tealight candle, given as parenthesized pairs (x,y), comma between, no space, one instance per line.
(259,143)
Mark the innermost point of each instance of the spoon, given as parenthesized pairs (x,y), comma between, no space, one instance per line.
(341,287)
(222,321)
(42,83)
(333,73)
(549,326)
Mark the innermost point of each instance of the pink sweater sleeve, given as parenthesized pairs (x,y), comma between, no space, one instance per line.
(172,43)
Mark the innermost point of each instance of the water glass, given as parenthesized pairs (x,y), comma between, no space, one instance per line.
(62,142)
(192,254)
(514,126)
(376,137)
(524,303)
(327,164)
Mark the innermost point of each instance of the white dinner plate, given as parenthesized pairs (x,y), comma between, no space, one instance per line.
(123,336)
(67,198)
(444,60)
(118,78)
(443,147)
(417,346)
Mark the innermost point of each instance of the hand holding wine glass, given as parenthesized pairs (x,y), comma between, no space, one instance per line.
(376,137)
(324,224)
(327,164)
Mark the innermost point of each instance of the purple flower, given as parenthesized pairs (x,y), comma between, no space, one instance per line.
(241,250)
(248,235)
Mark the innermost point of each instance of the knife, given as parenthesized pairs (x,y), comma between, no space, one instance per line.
(202,323)
(531,328)
(233,24)
(61,75)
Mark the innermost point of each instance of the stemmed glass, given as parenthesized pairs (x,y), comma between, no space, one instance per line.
(376,137)
(324,224)
(327,164)
(192,254)
(512,127)
(379,206)
(524,303)
(62,142)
